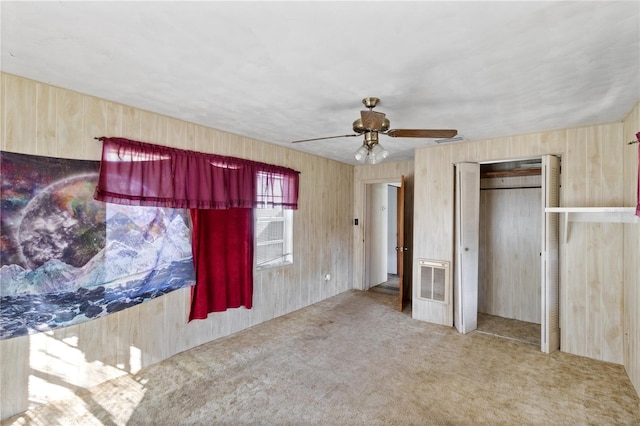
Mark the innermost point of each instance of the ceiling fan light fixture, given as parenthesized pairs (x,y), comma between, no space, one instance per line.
(379,152)
(372,159)
(361,154)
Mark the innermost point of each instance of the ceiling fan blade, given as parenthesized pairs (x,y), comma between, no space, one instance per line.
(327,137)
(422,133)
(372,120)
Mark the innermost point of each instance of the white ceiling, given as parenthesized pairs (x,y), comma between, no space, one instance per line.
(281,71)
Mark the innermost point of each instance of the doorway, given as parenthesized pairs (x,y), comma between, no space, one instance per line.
(510,228)
(384,239)
(376,234)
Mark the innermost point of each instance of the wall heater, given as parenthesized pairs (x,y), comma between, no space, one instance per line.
(434,280)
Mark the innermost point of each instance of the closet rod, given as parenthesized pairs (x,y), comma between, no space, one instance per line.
(511,187)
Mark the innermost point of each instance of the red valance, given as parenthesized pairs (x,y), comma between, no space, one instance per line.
(142,174)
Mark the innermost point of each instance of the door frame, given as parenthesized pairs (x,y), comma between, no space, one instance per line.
(543,331)
(401,243)
(367,238)
(364,223)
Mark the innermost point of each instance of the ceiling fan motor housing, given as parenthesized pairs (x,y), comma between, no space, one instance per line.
(359,127)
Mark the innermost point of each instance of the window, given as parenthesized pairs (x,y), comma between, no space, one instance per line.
(274,225)
(273,235)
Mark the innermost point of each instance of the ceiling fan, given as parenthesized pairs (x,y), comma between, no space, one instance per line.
(371,124)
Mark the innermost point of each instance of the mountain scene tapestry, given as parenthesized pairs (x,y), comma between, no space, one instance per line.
(67,258)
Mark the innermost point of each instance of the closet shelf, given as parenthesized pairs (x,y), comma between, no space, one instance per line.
(594,214)
(597,214)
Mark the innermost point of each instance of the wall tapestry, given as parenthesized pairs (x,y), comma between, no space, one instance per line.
(67,258)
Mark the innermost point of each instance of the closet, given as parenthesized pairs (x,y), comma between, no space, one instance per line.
(510,228)
(507,248)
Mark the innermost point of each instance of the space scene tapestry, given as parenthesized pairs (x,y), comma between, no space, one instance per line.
(67,258)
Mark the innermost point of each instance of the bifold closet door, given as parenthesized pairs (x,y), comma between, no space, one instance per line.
(550,330)
(465,294)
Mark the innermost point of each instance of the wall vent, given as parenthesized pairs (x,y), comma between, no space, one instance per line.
(457,138)
(434,280)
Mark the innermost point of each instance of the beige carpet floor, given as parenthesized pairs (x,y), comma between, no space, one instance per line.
(391,286)
(509,328)
(355,360)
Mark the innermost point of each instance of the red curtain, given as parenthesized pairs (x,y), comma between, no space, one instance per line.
(223,258)
(219,190)
(142,174)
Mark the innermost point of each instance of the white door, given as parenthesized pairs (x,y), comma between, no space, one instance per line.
(550,330)
(465,289)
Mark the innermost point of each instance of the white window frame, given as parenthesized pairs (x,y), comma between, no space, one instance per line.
(286,255)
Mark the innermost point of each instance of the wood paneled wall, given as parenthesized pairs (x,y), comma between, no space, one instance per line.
(40,119)
(592,283)
(379,173)
(631,253)
(509,256)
